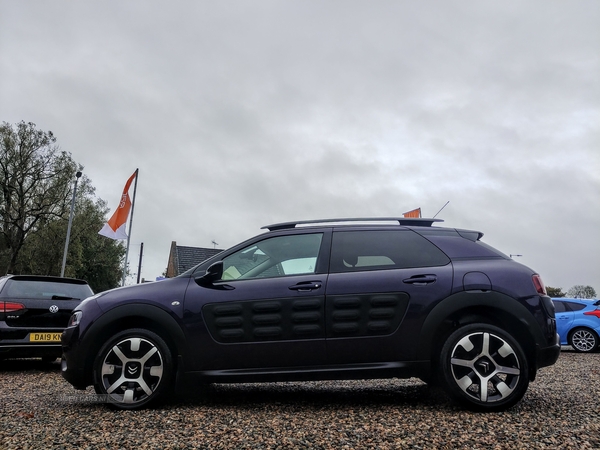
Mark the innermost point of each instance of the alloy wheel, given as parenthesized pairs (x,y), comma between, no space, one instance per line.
(485,367)
(131,371)
(583,340)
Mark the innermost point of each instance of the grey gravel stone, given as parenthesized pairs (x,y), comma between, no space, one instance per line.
(561,409)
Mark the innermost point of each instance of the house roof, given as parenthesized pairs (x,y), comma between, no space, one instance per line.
(182,258)
(188,257)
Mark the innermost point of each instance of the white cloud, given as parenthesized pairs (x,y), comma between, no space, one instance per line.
(240,114)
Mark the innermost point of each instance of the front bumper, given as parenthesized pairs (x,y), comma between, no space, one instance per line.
(72,361)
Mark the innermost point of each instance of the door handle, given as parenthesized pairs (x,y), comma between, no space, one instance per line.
(420,280)
(306,286)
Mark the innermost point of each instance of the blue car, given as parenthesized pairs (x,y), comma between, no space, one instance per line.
(578,323)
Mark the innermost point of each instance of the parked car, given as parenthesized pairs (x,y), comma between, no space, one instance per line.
(34,310)
(329,299)
(578,323)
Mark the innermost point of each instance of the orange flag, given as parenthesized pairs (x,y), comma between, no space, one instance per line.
(115,227)
(413,213)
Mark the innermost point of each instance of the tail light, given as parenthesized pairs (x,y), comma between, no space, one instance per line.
(539,284)
(7,307)
(595,312)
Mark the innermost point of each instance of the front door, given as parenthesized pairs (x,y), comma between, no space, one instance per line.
(266,311)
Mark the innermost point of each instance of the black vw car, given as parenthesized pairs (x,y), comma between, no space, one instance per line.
(329,299)
(34,310)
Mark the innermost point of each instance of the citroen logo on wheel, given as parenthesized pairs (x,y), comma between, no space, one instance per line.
(53,309)
(132,369)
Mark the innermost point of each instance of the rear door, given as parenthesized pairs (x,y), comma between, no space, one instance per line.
(380,283)
(564,320)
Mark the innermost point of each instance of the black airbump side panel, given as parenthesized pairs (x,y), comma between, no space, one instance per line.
(365,314)
(266,320)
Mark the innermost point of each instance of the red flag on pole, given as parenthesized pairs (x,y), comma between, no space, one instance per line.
(115,227)
(413,213)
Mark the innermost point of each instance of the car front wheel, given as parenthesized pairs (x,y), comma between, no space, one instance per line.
(484,368)
(583,340)
(133,369)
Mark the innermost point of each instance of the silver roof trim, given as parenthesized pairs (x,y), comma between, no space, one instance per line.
(407,221)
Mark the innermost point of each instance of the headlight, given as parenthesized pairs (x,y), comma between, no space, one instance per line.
(74,319)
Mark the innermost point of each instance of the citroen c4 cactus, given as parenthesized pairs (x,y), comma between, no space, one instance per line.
(328,299)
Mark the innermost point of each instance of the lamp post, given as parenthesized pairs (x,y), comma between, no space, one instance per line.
(64,262)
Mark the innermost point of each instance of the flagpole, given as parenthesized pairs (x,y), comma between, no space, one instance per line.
(130,224)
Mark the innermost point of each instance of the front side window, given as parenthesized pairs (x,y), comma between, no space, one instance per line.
(274,257)
(383,249)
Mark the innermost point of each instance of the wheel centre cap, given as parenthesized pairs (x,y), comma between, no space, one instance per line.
(133,369)
(485,366)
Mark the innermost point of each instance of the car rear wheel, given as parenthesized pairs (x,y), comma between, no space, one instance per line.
(583,340)
(484,368)
(133,369)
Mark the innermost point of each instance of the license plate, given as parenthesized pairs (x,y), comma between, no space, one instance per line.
(44,337)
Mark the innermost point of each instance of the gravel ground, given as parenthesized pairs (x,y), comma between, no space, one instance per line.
(561,409)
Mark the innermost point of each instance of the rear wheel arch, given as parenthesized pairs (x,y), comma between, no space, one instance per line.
(583,339)
(467,308)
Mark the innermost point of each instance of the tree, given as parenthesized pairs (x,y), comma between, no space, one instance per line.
(581,291)
(35,185)
(36,182)
(91,257)
(555,292)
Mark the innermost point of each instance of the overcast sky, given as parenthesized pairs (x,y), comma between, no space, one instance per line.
(239,114)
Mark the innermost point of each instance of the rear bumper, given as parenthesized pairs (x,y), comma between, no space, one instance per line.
(20,342)
(29,351)
(549,355)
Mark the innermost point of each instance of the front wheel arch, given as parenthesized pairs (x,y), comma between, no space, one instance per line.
(135,315)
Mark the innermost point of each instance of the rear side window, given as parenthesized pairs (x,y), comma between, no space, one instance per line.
(575,306)
(560,306)
(382,249)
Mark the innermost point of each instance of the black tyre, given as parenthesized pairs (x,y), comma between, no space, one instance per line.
(133,369)
(484,368)
(583,340)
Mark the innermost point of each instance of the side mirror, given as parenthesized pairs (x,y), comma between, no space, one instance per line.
(213,273)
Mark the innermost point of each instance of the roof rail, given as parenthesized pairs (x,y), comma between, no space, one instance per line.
(406,221)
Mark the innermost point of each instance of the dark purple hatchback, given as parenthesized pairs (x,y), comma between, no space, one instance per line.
(328,299)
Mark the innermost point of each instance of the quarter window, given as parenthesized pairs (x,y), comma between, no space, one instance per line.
(274,257)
